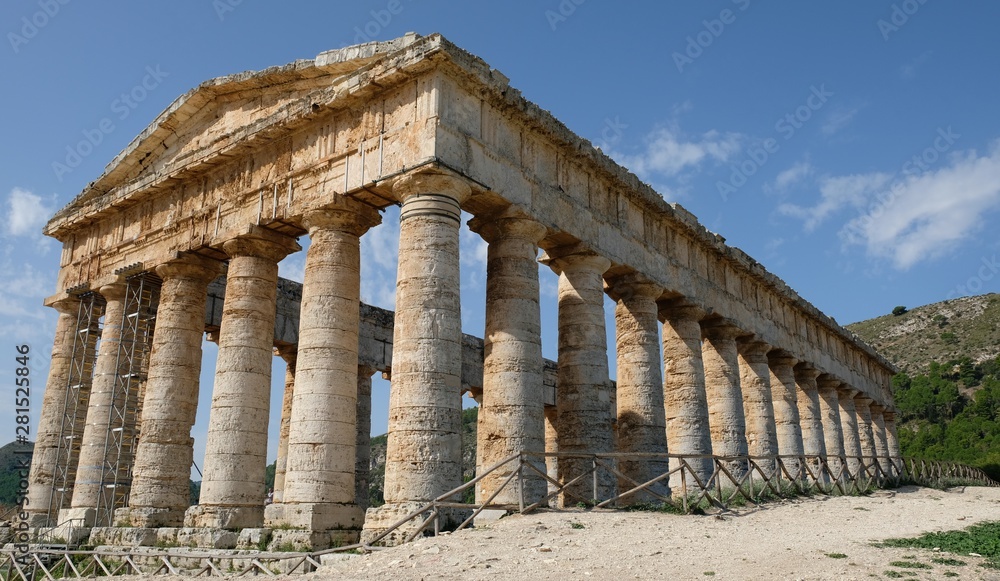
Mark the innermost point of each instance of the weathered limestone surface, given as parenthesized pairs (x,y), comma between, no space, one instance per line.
(758,407)
(784,398)
(685,399)
(232,493)
(641,414)
(362,465)
(810,416)
(160,490)
(829,407)
(583,403)
(849,428)
(511,417)
(725,397)
(880,438)
(40,477)
(865,433)
(892,443)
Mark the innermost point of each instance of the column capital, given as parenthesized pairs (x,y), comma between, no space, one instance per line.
(347,216)
(65,305)
(432,183)
(845,391)
(190,266)
(876,408)
(510,223)
(623,287)
(780,357)
(287,352)
(114,291)
(863,400)
(261,243)
(753,349)
(720,329)
(889,416)
(674,310)
(827,381)
(806,372)
(575,258)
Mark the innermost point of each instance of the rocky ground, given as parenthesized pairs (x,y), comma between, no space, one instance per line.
(815,538)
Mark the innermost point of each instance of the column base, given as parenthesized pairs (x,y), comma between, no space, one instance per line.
(315,516)
(77,517)
(224,517)
(147,517)
(380,519)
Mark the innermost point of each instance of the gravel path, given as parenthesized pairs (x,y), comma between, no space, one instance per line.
(789,540)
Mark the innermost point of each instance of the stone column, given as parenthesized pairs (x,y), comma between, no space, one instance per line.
(865,433)
(40,477)
(232,489)
(833,436)
(786,411)
(849,428)
(88,488)
(320,493)
(363,458)
(725,397)
(879,438)
(810,417)
(160,490)
(288,354)
(582,399)
(424,456)
(512,414)
(551,446)
(684,396)
(892,443)
(641,414)
(758,407)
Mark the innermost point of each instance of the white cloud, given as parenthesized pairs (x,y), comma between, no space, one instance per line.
(26,213)
(791,176)
(379,252)
(926,216)
(838,119)
(669,151)
(837,193)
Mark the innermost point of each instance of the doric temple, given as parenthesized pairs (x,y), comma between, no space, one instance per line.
(182,235)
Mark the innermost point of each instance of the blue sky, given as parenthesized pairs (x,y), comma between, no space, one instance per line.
(853,147)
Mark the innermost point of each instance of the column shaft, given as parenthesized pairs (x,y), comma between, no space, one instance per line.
(641,412)
(849,429)
(684,395)
(93,453)
(40,476)
(362,466)
(725,397)
(810,417)
(892,443)
(281,462)
(786,411)
(865,433)
(512,415)
(160,490)
(880,439)
(833,436)
(232,490)
(758,407)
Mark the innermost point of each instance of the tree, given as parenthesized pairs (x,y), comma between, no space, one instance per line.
(900,310)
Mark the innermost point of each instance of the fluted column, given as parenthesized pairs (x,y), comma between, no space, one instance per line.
(892,442)
(641,415)
(320,493)
(583,401)
(93,454)
(784,398)
(849,428)
(758,406)
(40,477)
(833,436)
(363,457)
(424,456)
(810,417)
(684,396)
(288,354)
(160,490)
(879,438)
(512,415)
(725,396)
(232,489)
(865,433)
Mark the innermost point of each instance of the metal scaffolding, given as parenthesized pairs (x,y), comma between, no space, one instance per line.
(74,417)
(142,296)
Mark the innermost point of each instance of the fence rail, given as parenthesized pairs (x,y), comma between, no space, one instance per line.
(732,481)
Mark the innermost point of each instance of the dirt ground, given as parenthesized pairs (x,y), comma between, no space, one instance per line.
(788,540)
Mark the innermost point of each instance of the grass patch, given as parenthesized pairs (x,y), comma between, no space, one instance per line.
(576,525)
(948,561)
(950,574)
(710,573)
(893,574)
(836,555)
(982,539)
(909,565)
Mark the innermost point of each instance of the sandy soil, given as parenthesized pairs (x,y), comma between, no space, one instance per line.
(789,540)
